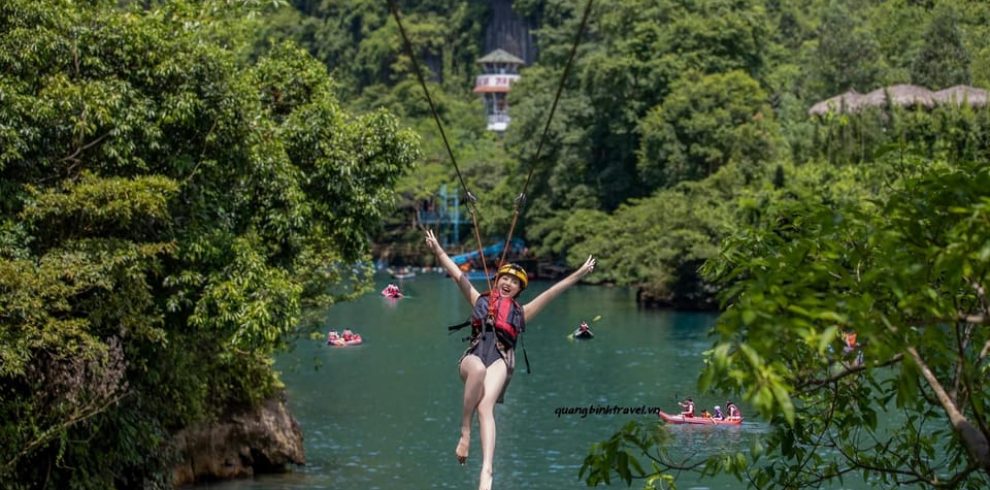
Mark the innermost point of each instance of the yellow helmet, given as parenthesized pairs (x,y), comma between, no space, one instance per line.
(514,270)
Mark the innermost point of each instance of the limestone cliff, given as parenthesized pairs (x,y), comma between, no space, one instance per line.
(263,440)
(508,31)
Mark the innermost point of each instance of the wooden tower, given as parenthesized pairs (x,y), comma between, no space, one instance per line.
(499,70)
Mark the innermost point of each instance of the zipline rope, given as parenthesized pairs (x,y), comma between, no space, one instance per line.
(472,200)
(521,198)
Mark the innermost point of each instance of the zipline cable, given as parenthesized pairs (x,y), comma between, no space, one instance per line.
(521,198)
(472,200)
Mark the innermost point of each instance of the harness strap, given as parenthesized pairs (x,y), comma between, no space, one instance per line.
(492,314)
(453,328)
(525,357)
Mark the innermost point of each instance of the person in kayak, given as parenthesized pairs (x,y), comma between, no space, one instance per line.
(718,413)
(391,291)
(583,332)
(733,410)
(687,407)
(487,365)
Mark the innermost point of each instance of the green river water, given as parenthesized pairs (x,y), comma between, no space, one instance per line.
(385,414)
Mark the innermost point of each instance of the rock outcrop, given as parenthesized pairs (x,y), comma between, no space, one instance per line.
(264,440)
(508,31)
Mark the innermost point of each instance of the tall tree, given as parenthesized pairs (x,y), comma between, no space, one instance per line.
(846,56)
(703,124)
(943,60)
(169,213)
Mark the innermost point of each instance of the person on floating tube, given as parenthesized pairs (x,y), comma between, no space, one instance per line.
(486,367)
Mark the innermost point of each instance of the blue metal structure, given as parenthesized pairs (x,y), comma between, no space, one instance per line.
(446,216)
(491,252)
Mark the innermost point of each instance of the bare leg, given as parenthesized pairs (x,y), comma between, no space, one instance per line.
(494,380)
(473,375)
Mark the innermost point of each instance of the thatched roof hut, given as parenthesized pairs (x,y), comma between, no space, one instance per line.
(847,102)
(903,95)
(961,94)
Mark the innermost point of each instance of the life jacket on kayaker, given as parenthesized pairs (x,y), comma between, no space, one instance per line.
(687,407)
(851,342)
(391,291)
(733,409)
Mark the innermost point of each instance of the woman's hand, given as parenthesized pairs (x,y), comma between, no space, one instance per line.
(533,307)
(432,243)
(589,265)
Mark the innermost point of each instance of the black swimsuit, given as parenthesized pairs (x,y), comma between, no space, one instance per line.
(487,350)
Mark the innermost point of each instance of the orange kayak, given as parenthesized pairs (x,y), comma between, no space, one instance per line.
(680,419)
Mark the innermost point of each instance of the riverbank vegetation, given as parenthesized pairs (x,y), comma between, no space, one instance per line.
(684,154)
(904,270)
(171,209)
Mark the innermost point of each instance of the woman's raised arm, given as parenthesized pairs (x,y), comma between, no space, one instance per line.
(455,273)
(534,307)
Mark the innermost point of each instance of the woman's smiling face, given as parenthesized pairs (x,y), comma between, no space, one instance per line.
(508,285)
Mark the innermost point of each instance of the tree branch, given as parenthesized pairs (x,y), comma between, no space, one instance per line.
(974,319)
(964,333)
(857,463)
(51,432)
(973,439)
(849,371)
(202,153)
(85,147)
(815,447)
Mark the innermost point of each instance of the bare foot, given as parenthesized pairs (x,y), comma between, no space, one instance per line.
(485,482)
(462,448)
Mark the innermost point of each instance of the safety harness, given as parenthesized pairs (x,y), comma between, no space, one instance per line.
(508,323)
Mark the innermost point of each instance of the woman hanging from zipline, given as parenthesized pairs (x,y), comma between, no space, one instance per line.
(487,365)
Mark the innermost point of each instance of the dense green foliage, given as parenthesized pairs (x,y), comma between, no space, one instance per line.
(906,270)
(661,92)
(683,138)
(179,185)
(168,215)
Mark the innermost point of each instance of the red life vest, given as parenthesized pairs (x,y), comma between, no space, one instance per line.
(508,316)
(509,319)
